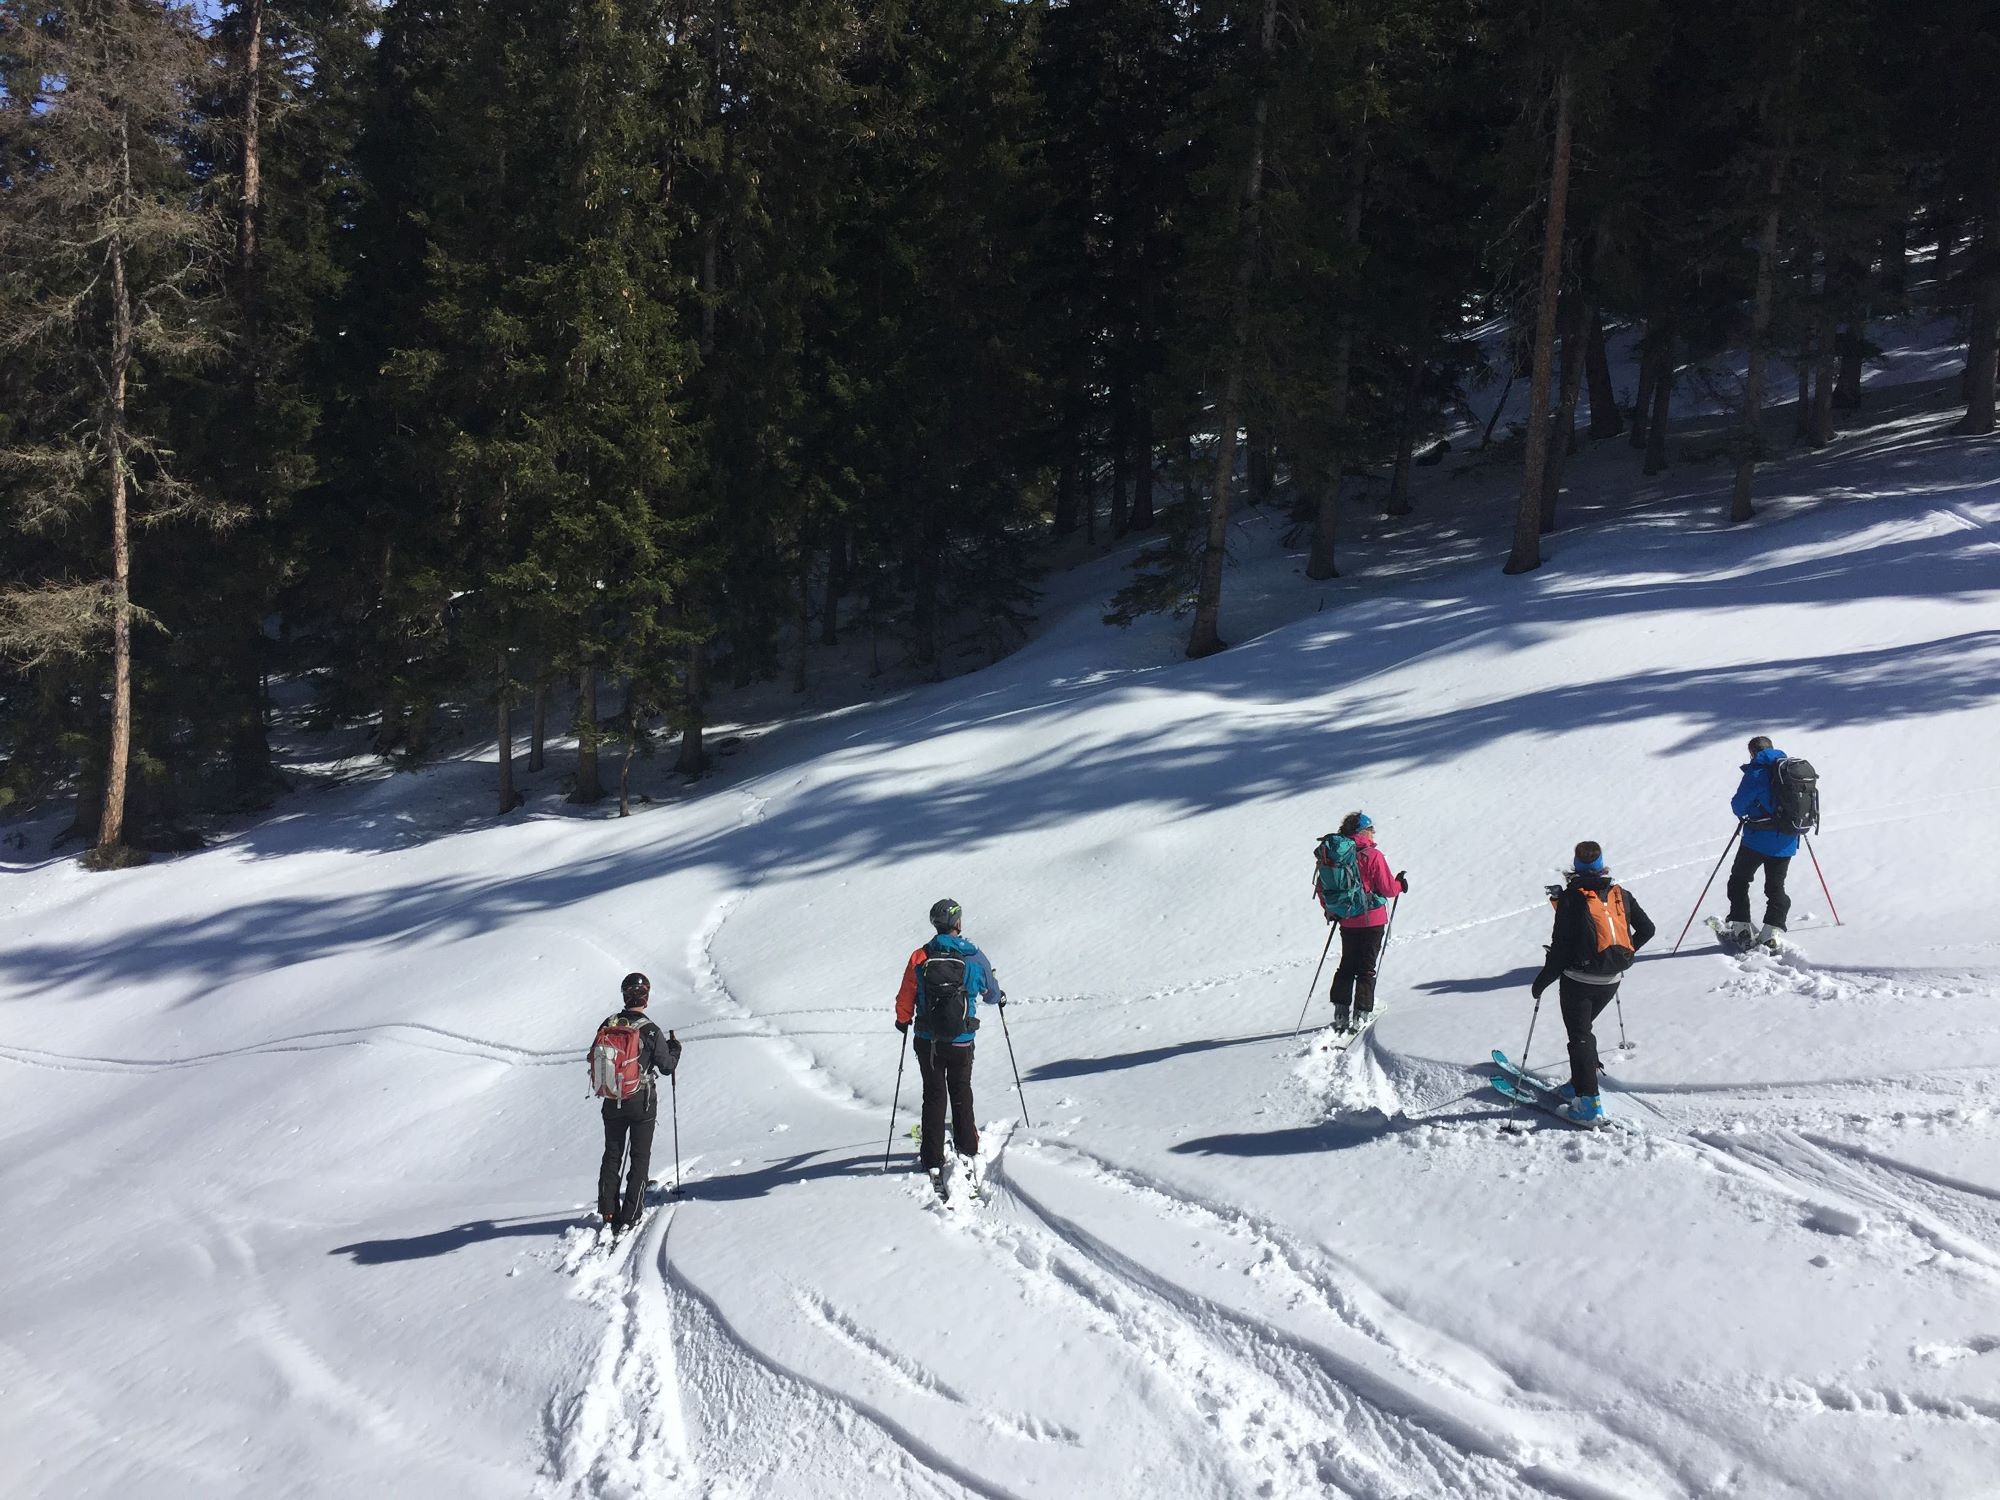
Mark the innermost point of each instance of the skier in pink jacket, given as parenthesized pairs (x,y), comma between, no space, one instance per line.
(1361,936)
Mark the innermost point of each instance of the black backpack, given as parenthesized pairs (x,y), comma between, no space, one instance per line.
(1794,798)
(947,1005)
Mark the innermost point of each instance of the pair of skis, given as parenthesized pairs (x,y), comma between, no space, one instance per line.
(1532,1089)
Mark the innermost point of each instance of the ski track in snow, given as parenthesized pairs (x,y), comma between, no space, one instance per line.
(622,1434)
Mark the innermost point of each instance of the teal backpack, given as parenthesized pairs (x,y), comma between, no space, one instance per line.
(1337,879)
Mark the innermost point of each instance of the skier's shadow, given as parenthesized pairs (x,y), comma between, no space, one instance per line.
(1484,984)
(444,1241)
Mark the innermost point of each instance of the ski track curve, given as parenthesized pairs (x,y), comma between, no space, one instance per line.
(860,1420)
(1445,1417)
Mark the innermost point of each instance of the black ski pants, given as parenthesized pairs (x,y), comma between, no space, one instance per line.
(628,1140)
(1354,980)
(947,1071)
(1777,905)
(1581,1005)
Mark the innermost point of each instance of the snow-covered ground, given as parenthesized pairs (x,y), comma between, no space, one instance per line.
(298,1140)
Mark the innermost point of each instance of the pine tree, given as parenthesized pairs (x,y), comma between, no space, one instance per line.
(107,263)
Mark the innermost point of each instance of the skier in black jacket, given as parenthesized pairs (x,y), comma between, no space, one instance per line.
(628,1123)
(1599,926)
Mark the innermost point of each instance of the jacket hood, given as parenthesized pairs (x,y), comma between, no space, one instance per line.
(1765,758)
(1594,880)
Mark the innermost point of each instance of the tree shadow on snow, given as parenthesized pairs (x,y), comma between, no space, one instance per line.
(444,1241)
(1258,742)
(1326,1135)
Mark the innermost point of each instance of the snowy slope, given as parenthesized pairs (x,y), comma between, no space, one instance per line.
(298,1138)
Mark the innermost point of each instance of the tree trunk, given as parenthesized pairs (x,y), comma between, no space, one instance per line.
(1985,340)
(1847,386)
(1527,552)
(1642,401)
(538,731)
(1142,468)
(1121,462)
(836,585)
(1206,638)
(1944,228)
(1066,495)
(805,604)
(1492,421)
(1398,503)
(250,189)
(1895,278)
(1751,436)
(111,821)
(504,724)
(625,772)
(1663,402)
(1576,325)
(1819,431)
(692,758)
(1606,420)
(1257,437)
(1802,370)
(588,787)
(1320,560)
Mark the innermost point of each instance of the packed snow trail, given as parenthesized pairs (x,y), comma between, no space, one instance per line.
(300,1147)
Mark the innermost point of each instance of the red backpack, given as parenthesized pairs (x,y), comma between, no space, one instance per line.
(615,1058)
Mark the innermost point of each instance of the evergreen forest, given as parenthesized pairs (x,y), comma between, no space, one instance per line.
(550,366)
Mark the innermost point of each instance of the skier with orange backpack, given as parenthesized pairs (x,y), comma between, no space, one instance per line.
(628,1051)
(1599,927)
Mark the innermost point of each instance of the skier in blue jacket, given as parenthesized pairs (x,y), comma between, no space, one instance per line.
(948,976)
(1766,846)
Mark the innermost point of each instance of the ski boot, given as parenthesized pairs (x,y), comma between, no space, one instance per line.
(1739,934)
(1768,937)
(1584,1109)
(941,1181)
(1341,1018)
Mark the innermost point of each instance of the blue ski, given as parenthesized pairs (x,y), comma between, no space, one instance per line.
(1527,1076)
(1524,1087)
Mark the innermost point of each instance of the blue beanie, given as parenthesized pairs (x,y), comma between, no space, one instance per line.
(1361,821)
(1593,867)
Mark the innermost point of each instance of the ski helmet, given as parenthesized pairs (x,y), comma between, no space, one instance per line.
(946,915)
(636,988)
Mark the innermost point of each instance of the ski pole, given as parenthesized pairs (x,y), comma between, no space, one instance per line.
(1528,1045)
(1822,882)
(1331,928)
(1388,931)
(900,1056)
(1011,1063)
(1709,882)
(674,1081)
(1623,1045)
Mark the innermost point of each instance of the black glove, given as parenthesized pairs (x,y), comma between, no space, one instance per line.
(904,1027)
(1403,880)
(1538,986)
(673,1053)
(1000,999)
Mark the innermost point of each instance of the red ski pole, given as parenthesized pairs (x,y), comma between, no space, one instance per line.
(1822,883)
